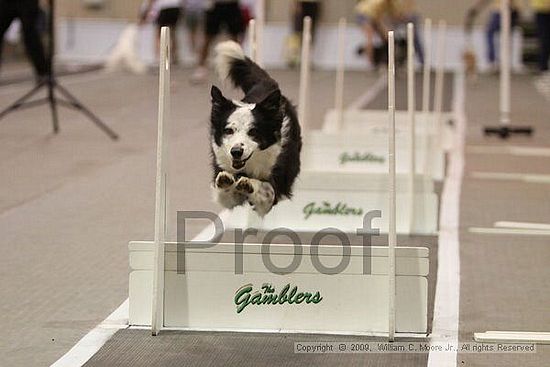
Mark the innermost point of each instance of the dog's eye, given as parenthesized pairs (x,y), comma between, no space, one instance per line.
(228,131)
(253,132)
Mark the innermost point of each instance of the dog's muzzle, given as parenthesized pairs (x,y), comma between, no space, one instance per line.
(240,163)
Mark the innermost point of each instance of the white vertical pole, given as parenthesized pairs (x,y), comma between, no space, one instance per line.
(427,67)
(260,25)
(392,237)
(252,41)
(304,74)
(340,74)
(411,105)
(157,320)
(505,62)
(439,81)
(426,95)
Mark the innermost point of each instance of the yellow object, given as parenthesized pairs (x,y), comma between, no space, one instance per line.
(376,8)
(496,5)
(542,6)
(292,49)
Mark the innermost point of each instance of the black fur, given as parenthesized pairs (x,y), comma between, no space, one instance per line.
(272,108)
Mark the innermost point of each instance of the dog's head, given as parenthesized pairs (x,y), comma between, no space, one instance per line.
(239,130)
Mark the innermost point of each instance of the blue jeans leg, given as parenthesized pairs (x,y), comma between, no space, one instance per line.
(493,26)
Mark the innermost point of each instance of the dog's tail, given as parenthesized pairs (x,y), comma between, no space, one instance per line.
(231,63)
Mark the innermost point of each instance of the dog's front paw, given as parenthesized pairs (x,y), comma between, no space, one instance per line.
(224,180)
(244,185)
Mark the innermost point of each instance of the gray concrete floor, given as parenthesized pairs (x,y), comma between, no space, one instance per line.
(70,203)
(505,280)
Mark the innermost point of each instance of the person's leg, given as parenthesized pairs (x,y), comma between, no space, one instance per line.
(419,50)
(6,18)
(232,17)
(493,26)
(312,10)
(212,28)
(192,19)
(157,41)
(174,34)
(28,12)
(298,18)
(169,18)
(543,32)
(369,32)
(174,44)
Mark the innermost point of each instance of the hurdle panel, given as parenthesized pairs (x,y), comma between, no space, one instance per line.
(374,122)
(348,152)
(340,200)
(353,302)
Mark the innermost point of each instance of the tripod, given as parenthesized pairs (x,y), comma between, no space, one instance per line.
(52,86)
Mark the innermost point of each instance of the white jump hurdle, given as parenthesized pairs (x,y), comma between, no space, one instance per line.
(434,136)
(252,40)
(260,27)
(161,205)
(345,175)
(382,291)
(304,74)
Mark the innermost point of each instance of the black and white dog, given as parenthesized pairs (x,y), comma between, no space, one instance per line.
(256,142)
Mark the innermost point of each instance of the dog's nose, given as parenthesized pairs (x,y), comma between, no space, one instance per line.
(237,152)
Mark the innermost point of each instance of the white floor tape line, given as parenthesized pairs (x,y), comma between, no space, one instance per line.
(510,150)
(523,225)
(90,344)
(529,337)
(510,231)
(505,176)
(370,94)
(447,292)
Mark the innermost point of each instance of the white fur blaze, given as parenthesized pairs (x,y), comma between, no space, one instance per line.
(226,52)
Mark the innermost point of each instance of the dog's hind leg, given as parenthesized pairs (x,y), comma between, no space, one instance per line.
(261,194)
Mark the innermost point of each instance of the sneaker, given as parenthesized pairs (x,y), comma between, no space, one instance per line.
(199,75)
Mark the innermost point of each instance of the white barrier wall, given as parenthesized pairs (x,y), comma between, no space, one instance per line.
(340,200)
(84,40)
(210,296)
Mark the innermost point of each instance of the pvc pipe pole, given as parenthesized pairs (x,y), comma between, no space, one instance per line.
(252,41)
(392,236)
(505,62)
(411,106)
(304,74)
(340,74)
(427,67)
(439,83)
(260,25)
(426,95)
(157,321)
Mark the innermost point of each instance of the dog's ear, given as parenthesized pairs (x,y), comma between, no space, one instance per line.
(272,101)
(217,96)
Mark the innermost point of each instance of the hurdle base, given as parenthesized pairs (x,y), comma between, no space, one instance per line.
(505,132)
(202,287)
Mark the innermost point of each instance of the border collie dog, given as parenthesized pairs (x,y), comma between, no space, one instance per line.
(256,142)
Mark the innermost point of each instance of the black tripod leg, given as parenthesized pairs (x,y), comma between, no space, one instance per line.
(53,106)
(79,106)
(21,101)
